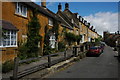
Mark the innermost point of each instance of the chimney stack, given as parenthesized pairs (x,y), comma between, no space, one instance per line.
(80,18)
(118,32)
(85,22)
(88,24)
(91,27)
(66,6)
(43,3)
(94,30)
(59,7)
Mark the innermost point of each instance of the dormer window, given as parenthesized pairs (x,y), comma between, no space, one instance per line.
(72,21)
(21,9)
(80,19)
(77,32)
(50,22)
(77,16)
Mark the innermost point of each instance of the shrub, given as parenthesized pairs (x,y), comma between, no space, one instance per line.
(61,46)
(47,50)
(7,66)
(78,38)
(22,52)
(70,38)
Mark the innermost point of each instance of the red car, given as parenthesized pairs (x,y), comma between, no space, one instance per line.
(94,51)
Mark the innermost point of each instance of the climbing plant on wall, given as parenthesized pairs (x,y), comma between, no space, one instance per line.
(56,29)
(31,46)
(47,48)
(70,38)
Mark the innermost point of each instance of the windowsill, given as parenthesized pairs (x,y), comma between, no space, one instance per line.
(7,46)
(51,39)
(50,24)
(19,15)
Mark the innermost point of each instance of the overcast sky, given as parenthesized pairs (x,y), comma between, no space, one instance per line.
(102,15)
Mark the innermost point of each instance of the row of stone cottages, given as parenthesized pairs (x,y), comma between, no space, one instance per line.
(16,15)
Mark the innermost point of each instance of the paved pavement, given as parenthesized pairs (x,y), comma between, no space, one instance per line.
(104,66)
(41,61)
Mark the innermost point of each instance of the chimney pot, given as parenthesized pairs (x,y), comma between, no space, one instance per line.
(79,18)
(82,20)
(118,32)
(66,6)
(43,3)
(59,7)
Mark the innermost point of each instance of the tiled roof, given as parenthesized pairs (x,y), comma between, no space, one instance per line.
(72,16)
(64,20)
(116,37)
(64,23)
(7,25)
(42,10)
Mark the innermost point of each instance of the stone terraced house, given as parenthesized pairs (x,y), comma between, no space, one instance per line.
(16,16)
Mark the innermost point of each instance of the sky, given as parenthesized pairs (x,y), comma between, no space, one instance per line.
(102,15)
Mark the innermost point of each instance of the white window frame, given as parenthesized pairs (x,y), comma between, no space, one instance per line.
(20,9)
(83,38)
(77,32)
(50,21)
(10,39)
(52,40)
(71,31)
(72,21)
(78,16)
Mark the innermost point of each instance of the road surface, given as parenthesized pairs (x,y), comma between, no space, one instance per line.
(104,66)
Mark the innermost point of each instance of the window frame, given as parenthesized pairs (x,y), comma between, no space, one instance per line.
(10,39)
(52,40)
(77,16)
(50,20)
(21,7)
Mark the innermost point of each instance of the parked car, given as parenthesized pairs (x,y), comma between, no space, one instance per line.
(94,51)
(102,47)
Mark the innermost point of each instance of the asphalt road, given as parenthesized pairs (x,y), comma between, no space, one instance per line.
(104,66)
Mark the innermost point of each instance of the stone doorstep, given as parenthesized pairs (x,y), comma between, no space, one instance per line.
(45,72)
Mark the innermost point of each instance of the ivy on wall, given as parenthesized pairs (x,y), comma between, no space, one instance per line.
(47,48)
(70,38)
(56,29)
(30,48)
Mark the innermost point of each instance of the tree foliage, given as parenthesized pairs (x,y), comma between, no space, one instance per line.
(70,37)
